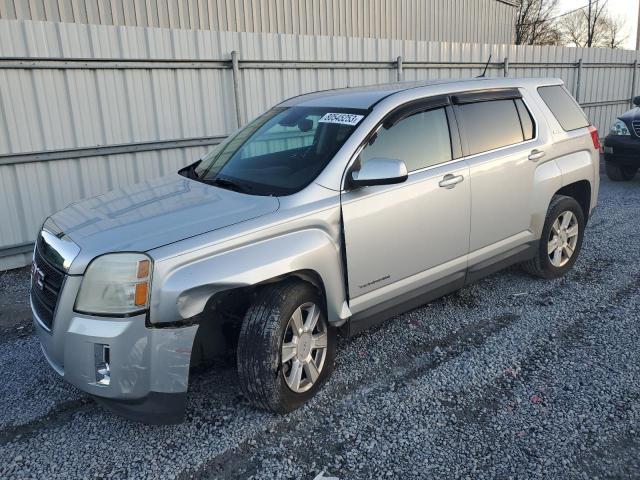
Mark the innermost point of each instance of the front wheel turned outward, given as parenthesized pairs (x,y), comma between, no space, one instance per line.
(561,239)
(286,347)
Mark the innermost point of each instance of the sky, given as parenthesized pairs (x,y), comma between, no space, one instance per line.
(625,9)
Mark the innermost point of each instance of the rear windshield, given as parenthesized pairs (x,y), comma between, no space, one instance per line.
(566,110)
(280,152)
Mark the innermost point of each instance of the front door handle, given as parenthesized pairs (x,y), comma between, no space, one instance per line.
(536,155)
(450,181)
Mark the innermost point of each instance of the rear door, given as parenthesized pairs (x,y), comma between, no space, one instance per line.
(502,148)
(399,237)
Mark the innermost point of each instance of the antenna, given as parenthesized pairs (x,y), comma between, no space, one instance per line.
(484,74)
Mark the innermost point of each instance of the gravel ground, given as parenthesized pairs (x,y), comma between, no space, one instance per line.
(512,377)
(15,317)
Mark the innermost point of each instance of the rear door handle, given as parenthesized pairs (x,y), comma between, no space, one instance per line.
(450,181)
(536,155)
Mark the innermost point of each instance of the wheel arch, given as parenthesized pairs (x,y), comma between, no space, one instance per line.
(221,319)
(580,177)
(580,191)
(560,177)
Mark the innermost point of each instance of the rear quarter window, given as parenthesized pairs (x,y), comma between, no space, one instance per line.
(566,110)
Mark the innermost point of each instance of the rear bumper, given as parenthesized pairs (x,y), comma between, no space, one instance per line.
(149,367)
(624,150)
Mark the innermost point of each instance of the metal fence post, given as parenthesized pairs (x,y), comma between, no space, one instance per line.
(633,81)
(399,68)
(235,69)
(578,81)
(506,66)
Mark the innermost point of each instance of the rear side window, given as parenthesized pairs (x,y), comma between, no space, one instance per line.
(490,125)
(420,141)
(568,113)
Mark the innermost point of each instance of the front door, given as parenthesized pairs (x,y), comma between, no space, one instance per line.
(401,237)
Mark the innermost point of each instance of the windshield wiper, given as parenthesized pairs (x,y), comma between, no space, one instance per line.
(229,184)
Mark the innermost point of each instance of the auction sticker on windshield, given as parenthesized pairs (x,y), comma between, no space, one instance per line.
(343,118)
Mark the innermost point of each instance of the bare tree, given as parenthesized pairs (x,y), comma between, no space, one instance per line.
(577,31)
(574,29)
(594,12)
(535,23)
(612,31)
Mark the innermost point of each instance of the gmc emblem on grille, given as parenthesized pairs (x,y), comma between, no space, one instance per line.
(38,277)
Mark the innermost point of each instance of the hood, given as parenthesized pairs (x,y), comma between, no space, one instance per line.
(629,116)
(154,213)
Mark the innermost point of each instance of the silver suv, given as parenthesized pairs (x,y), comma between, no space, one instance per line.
(334,209)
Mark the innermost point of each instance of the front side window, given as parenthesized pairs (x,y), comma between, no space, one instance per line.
(420,141)
(280,152)
(490,125)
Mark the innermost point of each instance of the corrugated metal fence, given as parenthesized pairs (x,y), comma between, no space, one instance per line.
(488,21)
(87,108)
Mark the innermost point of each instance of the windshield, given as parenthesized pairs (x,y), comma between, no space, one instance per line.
(280,152)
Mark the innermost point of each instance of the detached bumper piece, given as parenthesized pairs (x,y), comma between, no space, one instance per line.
(623,150)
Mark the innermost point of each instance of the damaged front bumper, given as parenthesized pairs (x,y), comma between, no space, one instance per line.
(139,372)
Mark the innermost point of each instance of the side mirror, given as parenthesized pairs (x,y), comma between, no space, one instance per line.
(636,101)
(379,171)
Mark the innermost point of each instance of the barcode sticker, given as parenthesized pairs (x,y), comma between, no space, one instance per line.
(343,118)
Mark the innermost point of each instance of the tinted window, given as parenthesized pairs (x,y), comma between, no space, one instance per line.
(526,120)
(420,140)
(568,113)
(490,125)
(280,152)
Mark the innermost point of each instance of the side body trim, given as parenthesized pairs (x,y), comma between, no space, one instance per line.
(422,295)
(518,254)
(403,303)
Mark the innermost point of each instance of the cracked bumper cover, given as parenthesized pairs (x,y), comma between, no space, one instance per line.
(149,366)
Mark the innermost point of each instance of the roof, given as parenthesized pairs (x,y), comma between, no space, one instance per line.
(366,97)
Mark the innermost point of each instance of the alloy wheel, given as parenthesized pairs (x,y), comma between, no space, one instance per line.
(563,239)
(304,347)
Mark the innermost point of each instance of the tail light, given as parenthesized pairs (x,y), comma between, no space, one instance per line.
(595,137)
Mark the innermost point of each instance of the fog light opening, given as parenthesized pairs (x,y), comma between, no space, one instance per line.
(103,371)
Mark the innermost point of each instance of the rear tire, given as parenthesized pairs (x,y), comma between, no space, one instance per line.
(561,239)
(620,173)
(269,331)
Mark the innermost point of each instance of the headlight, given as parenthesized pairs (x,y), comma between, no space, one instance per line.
(619,128)
(116,284)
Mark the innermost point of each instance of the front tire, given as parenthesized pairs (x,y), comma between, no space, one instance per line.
(561,239)
(286,348)
(620,173)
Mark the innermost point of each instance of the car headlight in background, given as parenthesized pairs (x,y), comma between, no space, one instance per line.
(619,128)
(116,284)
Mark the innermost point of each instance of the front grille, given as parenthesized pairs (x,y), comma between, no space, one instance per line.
(45,293)
(636,127)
